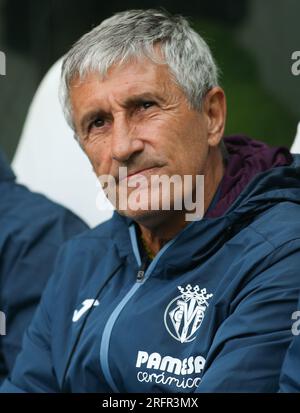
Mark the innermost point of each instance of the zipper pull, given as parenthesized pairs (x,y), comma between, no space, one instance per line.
(141,272)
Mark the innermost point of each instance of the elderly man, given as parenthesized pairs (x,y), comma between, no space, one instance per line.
(149,301)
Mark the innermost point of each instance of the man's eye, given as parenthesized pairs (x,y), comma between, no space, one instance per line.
(97,123)
(147,105)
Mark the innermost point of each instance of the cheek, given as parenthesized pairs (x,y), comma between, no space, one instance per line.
(99,156)
(195,154)
(187,148)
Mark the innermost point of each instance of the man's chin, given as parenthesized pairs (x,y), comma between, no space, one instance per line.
(141,216)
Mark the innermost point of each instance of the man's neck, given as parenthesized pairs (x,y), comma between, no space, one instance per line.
(170,223)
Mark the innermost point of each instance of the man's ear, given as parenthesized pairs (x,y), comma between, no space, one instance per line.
(214,107)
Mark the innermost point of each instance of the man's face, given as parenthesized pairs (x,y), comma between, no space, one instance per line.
(137,117)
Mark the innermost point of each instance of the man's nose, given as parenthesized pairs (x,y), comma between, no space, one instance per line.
(124,141)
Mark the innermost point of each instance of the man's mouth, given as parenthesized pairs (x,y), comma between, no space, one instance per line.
(141,172)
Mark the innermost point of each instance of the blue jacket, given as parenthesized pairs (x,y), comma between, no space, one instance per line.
(211,313)
(32,229)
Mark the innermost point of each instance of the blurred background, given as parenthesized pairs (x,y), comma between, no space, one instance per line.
(252,41)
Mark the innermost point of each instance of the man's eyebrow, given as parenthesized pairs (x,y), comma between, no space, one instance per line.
(141,97)
(128,102)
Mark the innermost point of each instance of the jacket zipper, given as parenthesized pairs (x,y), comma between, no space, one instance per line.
(143,274)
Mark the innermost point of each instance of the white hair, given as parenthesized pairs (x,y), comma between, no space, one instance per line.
(132,35)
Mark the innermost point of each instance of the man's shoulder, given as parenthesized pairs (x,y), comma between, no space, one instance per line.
(82,258)
(29,215)
(95,238)
(22,202)
(279,224)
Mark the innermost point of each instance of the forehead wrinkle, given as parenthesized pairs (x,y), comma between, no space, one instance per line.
(128,83)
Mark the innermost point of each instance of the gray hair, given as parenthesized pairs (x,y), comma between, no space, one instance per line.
(133,34)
